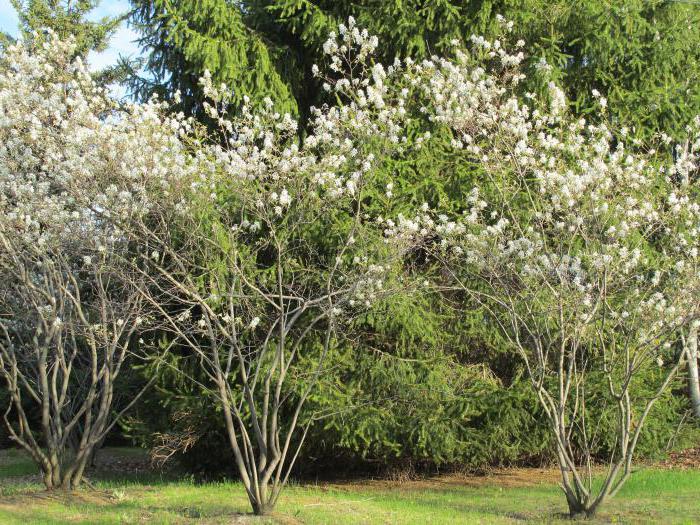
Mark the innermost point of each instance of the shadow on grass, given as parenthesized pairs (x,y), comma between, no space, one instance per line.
(137,495)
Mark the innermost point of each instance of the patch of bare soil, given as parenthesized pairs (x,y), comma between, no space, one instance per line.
(113,461)
(506,478)
(683,460)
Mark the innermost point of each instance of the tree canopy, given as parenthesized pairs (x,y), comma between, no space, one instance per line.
(642,55)
(449,248)
(67,18)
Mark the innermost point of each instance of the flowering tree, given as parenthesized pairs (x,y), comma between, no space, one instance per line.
(276,252)
(66,331)
(254,249)
(583,250)
(691,348)
(68,319)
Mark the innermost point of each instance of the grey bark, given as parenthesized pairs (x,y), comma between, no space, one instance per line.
(691,349)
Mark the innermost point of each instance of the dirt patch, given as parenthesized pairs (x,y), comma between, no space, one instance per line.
(516,477)
(684,460)
(115,460)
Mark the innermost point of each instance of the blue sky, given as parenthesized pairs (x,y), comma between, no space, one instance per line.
(121,43)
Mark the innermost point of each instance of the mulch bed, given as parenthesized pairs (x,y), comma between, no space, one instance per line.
(684,460)
(108,461)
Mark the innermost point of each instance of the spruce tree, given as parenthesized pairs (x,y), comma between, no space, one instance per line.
(643,55)
(185,38)
(67,18)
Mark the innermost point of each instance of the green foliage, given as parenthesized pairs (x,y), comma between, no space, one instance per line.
(419,385)
(389,411)
(399,411)
(67,18)
(185,38)
(396,398)
(643,55)
(376,411)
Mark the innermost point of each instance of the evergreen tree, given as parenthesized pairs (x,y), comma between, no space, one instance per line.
(265,48)
(66,18)
(69,18)
(643,55)
(185,38)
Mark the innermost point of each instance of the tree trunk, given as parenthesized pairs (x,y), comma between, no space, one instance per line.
(92,458)
(260,509)
(579,510)
(693,377)
(48,480)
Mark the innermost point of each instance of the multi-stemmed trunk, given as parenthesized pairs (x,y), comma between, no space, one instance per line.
(251,381)
(576,464)
(63,364)
(248,343)
(67,476)
(60,466)
(265,447)
(691,349)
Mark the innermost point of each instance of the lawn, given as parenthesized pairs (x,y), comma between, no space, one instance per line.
(653,495)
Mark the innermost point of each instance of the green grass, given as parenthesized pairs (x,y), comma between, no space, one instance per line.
(13,464)
(651,496)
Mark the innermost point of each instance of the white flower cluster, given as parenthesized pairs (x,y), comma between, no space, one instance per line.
(369,286)
(277,175)
(559,204)
(562,208)
(350,36)
(69,154)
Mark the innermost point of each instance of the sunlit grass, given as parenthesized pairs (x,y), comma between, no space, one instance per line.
(651,496)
